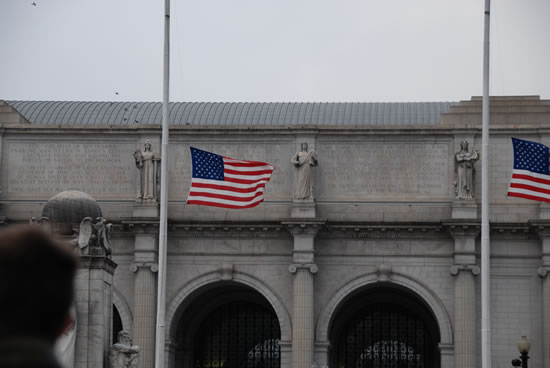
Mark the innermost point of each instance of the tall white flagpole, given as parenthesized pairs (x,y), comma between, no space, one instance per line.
(485,240)
(161,288)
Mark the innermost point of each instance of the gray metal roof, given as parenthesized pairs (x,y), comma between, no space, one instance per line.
(227,113)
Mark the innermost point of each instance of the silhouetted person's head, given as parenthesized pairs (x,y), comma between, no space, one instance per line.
(36,283)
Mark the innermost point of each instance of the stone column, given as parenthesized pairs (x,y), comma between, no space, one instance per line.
(286,353)
(303,267)
(465,270)
(93,295)
(145,295)
(542,227)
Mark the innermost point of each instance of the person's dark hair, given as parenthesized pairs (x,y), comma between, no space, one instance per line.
(36,283)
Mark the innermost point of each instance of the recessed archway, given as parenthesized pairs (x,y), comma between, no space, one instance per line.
(384,325)
(227,325)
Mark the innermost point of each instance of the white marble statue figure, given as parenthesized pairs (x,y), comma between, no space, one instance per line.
(123,354)
(304,160)
(464,182)
(147,163)
(65,344)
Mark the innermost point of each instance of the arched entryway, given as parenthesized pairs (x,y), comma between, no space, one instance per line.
(384,327)
(228,325)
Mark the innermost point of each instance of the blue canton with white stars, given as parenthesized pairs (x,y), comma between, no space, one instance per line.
(531,156)
(206,165)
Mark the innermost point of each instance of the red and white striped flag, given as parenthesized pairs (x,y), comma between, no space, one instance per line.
(225,182)
(531,174)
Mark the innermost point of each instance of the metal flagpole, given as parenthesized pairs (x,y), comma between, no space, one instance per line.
(485,241)
(161,288)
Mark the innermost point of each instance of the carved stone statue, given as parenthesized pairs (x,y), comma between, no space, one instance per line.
(123,354)
(147,163)
(65,344)
(94,235)
(304,160)
(464,182)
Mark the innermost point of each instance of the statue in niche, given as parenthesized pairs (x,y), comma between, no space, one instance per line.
(304,160)
(147,163)
(464,182)
(93,235)
(123,354)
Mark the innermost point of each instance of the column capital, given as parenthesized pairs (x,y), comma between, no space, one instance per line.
(137,265)
(312,267)
(462,229)
(304,227)
(474,269)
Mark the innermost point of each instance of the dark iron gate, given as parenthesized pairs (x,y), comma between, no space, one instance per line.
(384,336)
(238,335)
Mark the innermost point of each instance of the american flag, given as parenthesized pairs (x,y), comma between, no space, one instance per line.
(531,175)
(225,182)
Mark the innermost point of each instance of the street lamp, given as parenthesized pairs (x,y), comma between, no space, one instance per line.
(523,347)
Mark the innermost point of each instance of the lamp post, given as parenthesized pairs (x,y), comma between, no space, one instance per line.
(523,347)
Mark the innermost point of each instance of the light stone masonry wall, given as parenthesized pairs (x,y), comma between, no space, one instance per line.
(384,202)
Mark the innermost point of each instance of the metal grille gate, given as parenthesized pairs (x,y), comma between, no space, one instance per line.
(238,335)
(383,336)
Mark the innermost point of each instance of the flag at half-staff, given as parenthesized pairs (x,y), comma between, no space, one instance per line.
(226,182)
(531,173)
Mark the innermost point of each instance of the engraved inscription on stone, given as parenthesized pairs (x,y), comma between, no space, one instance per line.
(42,169)
(278,188)
(384,168)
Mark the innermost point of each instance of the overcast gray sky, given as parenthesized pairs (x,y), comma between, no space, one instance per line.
(271,50)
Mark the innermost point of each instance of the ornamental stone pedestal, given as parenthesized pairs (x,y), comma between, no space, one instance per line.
(303,268)
(93,295)
(145,296)
(464,270)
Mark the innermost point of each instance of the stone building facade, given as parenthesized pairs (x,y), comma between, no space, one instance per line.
(380,266)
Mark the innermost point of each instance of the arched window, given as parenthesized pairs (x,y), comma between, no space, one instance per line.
(384,328)
(229,327)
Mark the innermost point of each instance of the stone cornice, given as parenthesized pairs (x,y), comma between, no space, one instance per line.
(237,230)
(98,262)
(213,130)
(462,229)
(306,227)
(541,228)
(385,231)
(139,225)
(333,230)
